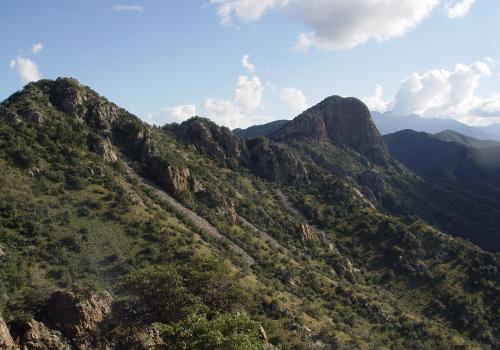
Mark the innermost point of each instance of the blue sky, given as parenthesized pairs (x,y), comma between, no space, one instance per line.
(167,59)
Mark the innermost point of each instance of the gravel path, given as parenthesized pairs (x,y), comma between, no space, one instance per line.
(197,220)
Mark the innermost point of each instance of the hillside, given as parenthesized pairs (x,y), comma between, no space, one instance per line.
(116,235)
(453,136)
(457,159)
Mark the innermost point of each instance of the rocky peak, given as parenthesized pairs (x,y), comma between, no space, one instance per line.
(216,141)
(342,121)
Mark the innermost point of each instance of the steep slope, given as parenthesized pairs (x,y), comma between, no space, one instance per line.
(453,136)
(435,156)
(164,219)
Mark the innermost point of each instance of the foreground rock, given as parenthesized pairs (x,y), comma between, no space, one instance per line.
(38,337)
(6,341)
(78,316)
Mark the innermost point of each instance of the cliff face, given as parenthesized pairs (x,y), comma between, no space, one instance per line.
(342,121)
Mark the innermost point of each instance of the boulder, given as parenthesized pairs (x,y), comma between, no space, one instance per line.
(2,251)
(6,341)
(36,336)
(78,316)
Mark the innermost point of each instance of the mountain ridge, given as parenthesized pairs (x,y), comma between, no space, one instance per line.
(335,273)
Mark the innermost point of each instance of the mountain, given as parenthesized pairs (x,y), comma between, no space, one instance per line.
(342,121)
(118,235)
(493,129)
(453,136)
(450,157)
(260,130)
(389,123)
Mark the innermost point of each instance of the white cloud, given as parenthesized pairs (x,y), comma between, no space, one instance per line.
(224,112)
(338,24)
(445,93)
(26,68)
(240,111)
(459,8)
(245,62)
(376,101)
(246,10)
(294,99)
(176,114)
(136,8)
(248,93)
(37,48)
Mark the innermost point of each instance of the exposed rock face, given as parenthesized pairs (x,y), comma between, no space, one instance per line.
(211,139)
(38,337)
(342,121)
(77,316)
(228,209)
(69,97)
(374,182)
(307,233)
(263,334)
(275,162)
(6,341)
(174,179)
(106,149)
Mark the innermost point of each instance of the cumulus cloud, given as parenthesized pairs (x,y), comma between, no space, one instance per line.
(376,101)
(136,8)
(248,93)
(176,114)
(459,8)
(445,93)
(26,68)
(245,62)
(246,10)
(37,48)
(240,110)
(294,99)
(339,24)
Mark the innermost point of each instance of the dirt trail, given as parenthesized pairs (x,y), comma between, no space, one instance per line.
(266,237)
(197,220)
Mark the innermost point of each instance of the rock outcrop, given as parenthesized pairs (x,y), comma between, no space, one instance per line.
(174,179)
(373,181)
(78,316)
(275,162)
(6,341)
(210,139)
(36,336)
(106,150)
(307,233)
(342,121)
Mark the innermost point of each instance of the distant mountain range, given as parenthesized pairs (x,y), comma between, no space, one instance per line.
(388,123)
(448,156)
